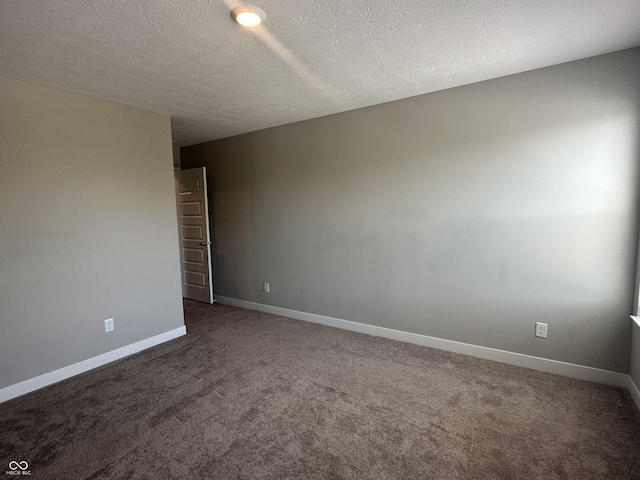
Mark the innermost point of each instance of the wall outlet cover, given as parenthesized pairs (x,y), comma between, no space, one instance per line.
(541,330)
(108,325)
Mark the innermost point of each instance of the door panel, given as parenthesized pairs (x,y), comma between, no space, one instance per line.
(193,228)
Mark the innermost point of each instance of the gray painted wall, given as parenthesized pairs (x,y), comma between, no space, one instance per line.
(88,229)
(467,214)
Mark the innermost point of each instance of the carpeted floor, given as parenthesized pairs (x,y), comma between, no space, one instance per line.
(247,395)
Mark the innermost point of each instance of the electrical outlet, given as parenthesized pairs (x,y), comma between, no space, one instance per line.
(108,325)
(265,287)
(541,330)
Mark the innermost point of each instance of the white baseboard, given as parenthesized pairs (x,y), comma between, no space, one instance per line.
(536,363)
(56,376)
(633,390)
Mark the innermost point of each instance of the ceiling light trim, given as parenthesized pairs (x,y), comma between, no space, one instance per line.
(248,15)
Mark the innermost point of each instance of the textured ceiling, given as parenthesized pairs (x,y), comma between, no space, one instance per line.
(187,58)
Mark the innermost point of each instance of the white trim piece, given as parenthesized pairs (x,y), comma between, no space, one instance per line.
(634,391)
(580,372)
(633,388)
(56,376)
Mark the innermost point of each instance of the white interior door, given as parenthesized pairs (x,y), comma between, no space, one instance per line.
(193,228)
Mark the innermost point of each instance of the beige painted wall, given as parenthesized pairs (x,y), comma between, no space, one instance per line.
(467,214)
(88,228)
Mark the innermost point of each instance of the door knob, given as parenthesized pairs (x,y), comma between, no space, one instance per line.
(204,244)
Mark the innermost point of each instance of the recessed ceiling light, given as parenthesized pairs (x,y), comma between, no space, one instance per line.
(248,15)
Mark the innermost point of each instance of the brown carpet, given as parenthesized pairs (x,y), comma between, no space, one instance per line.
(257,396)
